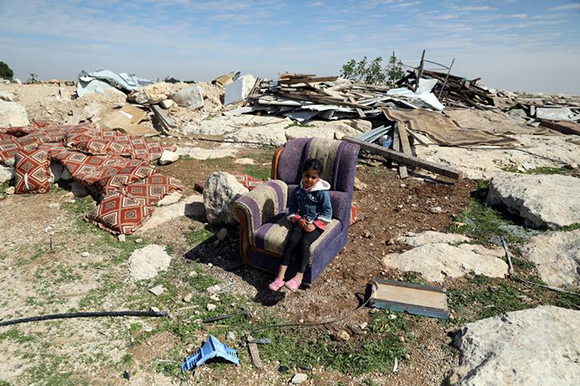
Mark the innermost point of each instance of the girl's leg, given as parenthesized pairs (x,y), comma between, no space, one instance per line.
(305,242)
(293,239)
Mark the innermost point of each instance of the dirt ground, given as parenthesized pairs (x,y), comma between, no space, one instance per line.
(52,261)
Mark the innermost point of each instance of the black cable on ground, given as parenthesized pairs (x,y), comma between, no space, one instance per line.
(71,315)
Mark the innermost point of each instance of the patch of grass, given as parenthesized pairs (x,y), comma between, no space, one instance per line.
(482,222)
(52,370)
(570,227)
(16,335)
(3,188)
(79,206)
(260,172)
(198,235)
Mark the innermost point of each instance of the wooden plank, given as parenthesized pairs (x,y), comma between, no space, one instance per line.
(412,298)
(404,138)
(308,80)
(407,159)
(398,146)
(254,353)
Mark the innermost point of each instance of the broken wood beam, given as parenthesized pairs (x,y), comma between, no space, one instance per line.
(254,353)
(401,127)
(407,159)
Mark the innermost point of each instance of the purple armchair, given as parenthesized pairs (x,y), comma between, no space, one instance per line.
(262,212)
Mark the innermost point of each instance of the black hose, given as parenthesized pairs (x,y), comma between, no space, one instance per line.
(83,315)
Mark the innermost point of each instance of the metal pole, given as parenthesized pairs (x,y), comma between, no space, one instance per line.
(445,81)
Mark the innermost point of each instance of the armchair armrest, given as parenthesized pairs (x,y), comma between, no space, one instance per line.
(340,206)
(260,205)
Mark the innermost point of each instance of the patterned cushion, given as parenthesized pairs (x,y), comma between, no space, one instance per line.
(272,235)
(126,176)
(248,181)
(152,189)
(118,213)
(32,171)
(100,147)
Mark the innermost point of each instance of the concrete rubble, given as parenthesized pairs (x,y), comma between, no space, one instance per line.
(436,260)
(529,347)
(542,200)
(12,114)
(147,262)
(220,190)
(557,258)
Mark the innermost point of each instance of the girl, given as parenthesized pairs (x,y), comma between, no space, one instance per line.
(310,211)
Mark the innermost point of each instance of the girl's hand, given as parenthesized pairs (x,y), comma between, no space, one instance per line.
(309,227)
(302,223)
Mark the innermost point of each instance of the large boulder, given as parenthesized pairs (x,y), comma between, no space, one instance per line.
(557,257)
(12,114)
(220,190)
(542,200)
(436,262)
(268,135)
(430,237)
(539,346)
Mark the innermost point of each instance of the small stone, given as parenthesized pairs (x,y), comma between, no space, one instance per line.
(54,205)
(193,274)
(230,336)
(363,325)
(453,379)
(399,208)
(85,254)
(572,166)
(157,290)
(122,238)
(299,378)
(359,185)
(214,289)
(154,309)
(216,243)
(392,316)
(407,357)
(166,104)
(169,199)
(168,157)
(126,375)
(343,336)
(403,186)
(435,209)
(215,298)
(301,321)
(402,339)
(222,234)
(187,298)
(210,265)
(210,307)
(390,241)
(367,235)
(139,241)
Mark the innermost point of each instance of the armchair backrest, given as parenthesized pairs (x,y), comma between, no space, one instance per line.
(338,158)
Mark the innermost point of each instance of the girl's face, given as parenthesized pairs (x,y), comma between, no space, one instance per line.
(309,178)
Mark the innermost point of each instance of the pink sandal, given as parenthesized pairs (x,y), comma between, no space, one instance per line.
(276,284)
(292,284)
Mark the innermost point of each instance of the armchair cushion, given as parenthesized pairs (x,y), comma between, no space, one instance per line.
(262,204)
(272,235)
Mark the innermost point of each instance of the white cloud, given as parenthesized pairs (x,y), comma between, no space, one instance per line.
(566,7)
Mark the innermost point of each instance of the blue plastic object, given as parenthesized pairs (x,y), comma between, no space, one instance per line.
(211,349)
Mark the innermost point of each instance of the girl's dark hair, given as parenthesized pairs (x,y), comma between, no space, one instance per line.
(312,163)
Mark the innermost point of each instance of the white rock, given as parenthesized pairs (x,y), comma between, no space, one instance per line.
(16,81)
(166,104)
(269,135)
(210,307)
(146,262)
(169,199)
(360,125)
(537,346)
(430,237)
(557,257)
(122,238)
(85,254)
(168,157)
(152,94)
(10,190)
(436,262)
(6,96)
(359,185)
(309,132)
(202,154)
(299,378)
(190,97)
(12,114)
(220,190)
(222,234)
(53,205)
(6,173)
(435,209)
(214,289)
(230,336)
(157,290)
(543,200)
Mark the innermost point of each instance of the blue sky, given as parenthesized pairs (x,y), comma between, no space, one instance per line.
(513,44)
